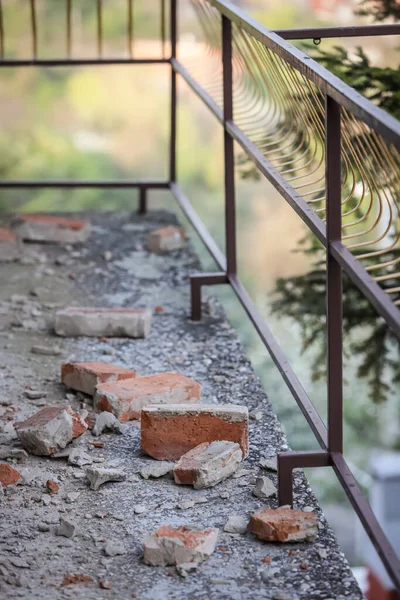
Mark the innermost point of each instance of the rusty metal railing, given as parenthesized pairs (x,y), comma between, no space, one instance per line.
(330,153)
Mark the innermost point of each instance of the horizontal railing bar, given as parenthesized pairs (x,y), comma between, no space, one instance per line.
(282,363)
(328,83)
(371,290)
(198,89)
(74,62)
(336,32)
(61,183)
(198,225)
(367,517)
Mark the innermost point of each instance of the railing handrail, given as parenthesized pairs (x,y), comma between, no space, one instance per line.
(330,84)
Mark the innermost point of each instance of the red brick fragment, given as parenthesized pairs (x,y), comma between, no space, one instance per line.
(159,309)
(78,578)
(97,444)
(168,432)
(50,429)
(284,525)
(105,585)
(125,399)
(84,376)
(52,486)
(8,475)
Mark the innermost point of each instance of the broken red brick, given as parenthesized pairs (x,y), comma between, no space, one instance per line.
(84,377)
(266,559)
(52,486)
(208,464)
(96,322)
(10,246)
(175,546)
(78,578)
(159,309)
(51,229)
(166,239)
(50,429)
(284,525)
(8,475)
(168,432)
(125,399)
(97,444)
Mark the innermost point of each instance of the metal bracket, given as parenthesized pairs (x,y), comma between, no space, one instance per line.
(287,461)
(196,283)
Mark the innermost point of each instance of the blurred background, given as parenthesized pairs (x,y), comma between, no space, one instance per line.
(113,122)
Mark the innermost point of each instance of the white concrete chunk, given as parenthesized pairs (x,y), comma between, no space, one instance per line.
(108,322)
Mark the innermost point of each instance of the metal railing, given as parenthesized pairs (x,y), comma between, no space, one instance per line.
(330,153)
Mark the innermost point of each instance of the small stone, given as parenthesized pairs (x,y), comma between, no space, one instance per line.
(185,568)
(177,546)
(187,504)
(322,553)
(45,350)
(72,497)
(236,524)
(255,416)
(114,548)
(98,476)
(8,475)
(271,464)
(284,525)
(105,585)
(268,574)
(140,509)
(107,255)
(282,596)
(84,376)
(66,528)
(264,488)
(79,458)
(225,495)
(43,527)
(106,421)
(208,464)
(50,430)
(157,469)
(46,500)
(52,486)
(35,394)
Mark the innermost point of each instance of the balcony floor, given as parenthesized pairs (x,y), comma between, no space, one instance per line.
(209,352)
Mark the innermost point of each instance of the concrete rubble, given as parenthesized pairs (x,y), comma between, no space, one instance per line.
(79,506)
(208,464)
(106,421)
(284,525)
(167,432)
(236,524)
(50,429)
(264,488)
(125,399)
(103,322)
(84,377)
(98,476)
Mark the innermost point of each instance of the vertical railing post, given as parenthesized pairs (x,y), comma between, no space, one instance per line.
(172,150)
(229,159)
(334,276)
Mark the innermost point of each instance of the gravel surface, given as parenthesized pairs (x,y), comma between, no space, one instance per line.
(114,269)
